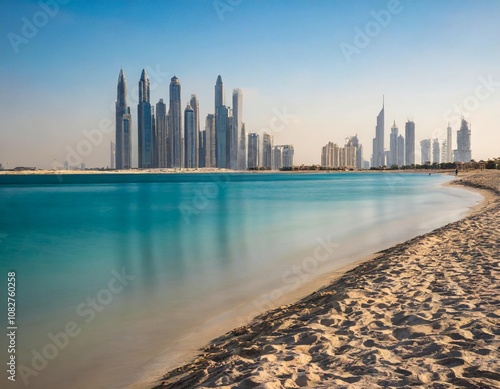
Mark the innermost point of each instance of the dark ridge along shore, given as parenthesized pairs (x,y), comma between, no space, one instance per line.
(423,313)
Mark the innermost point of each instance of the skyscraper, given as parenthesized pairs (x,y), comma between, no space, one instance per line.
(222,127)
(240,146)
(425,152)
(202,149)
(287,154)
(210,145)
(277,160)
(175,124)
(112,153)
(435,151)
(449,147)
(190,139)
(463,153)
(401,150)
(253,151)
(354,142)
(233,138)
(196,109)
(378,158)
(409,143)
(221,136)
(144,124)
(161,133)
(393,146)
(123,125)
(267,145)
(219,93)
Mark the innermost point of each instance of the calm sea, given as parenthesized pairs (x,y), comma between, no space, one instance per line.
(114,270)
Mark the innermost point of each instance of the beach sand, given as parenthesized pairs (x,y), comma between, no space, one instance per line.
(425,313)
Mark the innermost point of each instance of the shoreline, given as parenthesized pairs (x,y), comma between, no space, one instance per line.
(217,350)
(164,171)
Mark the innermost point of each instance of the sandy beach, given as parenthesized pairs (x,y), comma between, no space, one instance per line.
(424,313)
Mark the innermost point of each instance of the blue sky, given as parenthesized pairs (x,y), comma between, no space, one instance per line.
(284,55)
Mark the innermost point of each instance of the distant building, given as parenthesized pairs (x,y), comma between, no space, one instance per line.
(123,133)
(144,124)
(196,109)
(175,158)
(267,144)
(425,150)
(350,156)
(287,155)
(112,153)
(239,160)
(378,157)
(449,146)
(222,131)
(210,145)
(330,155)
(253,151)
(410,143)
(161,134)
(219,93)
(190,139)
(444,152)
(354,142)
(435,151)
(401,151)
(277,158)
(393,146)
(463,153)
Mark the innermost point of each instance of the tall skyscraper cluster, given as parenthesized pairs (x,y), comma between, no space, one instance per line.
(350,156)
(172,138)
(402,149)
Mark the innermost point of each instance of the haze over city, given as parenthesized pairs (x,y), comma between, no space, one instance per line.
(324,66)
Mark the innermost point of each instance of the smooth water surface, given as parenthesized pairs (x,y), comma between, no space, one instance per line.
(136,265)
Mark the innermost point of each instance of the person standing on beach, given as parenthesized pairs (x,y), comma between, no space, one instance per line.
(456,172)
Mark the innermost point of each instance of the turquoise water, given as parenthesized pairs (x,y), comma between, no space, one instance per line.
(137,262)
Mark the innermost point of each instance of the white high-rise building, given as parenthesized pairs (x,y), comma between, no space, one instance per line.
(267,146)
(410,143)
(393,146)
(378,157)
(435,151)
(425,152)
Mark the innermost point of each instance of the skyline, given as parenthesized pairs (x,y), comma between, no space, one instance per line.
(426,60)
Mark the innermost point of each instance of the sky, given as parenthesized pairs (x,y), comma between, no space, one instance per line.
(310,71)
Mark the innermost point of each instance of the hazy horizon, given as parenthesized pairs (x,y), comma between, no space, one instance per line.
(432,61)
